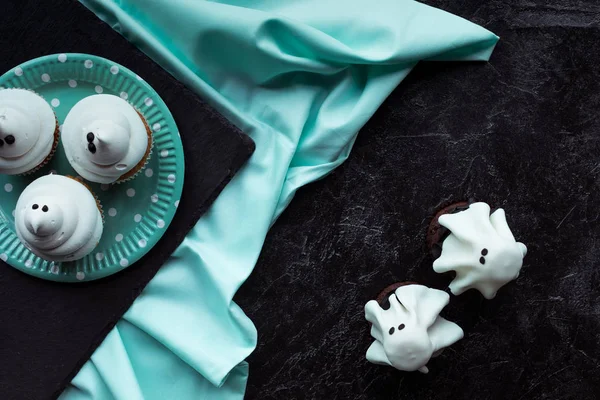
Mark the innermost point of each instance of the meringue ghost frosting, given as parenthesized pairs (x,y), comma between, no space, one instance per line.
(57,219)
(481,249)
(27,127)
(410,332)
(104,138)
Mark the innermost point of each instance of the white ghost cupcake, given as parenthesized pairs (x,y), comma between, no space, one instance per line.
(106,140)
(410,332)
(28,132)
(58,219)
(481,249)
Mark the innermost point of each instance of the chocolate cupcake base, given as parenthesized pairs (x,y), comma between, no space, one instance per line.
(436,233)
(383,297)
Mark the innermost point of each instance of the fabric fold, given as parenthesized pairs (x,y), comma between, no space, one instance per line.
(301,78)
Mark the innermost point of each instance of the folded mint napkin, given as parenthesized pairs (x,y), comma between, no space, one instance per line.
(301,78)
(49,330)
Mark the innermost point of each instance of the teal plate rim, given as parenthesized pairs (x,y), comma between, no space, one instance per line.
(64,72)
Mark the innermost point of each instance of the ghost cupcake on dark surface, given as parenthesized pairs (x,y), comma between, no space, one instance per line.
(106,140)
(28,132)
(481,249)
(58,219)
(409,331)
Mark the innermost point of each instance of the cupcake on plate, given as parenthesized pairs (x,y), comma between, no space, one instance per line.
(106,140)
(28,132)
(58,218)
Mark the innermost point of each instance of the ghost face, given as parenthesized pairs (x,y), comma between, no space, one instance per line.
(8,140)
(106,143)
(501,259)
(43,217)
(408,347)
(18,133)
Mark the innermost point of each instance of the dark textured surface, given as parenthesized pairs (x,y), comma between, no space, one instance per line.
(48,330)
(522,133)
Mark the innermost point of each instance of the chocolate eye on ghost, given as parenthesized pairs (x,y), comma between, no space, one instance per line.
(45,209)
(484,252)
(401,326)
(92,148)
(35,206)
(10,139)
(90,137)
(392,330)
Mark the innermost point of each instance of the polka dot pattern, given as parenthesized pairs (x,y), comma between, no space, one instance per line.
(124,243)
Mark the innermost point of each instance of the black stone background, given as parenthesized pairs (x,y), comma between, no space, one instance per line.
(49,330)
(523,133)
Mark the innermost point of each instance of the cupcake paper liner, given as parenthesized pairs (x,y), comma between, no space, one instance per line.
(130,175)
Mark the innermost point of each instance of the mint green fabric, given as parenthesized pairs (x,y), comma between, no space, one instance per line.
(301,78)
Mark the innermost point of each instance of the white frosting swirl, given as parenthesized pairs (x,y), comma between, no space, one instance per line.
(104,138)
(58,219)
(27,125)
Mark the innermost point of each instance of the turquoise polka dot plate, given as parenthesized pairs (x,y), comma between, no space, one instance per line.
(136,212)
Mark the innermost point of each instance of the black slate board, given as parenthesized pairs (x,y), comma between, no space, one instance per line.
(48,330)
(522,133)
